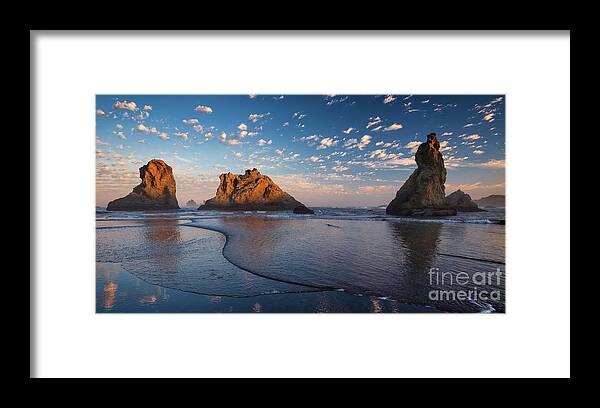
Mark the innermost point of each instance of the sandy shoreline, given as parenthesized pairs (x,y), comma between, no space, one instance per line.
(120,290)
(285,265)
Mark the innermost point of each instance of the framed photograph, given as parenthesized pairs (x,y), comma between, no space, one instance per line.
(218,199)
(300,203)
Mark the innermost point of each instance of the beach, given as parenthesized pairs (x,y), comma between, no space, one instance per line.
(337,260)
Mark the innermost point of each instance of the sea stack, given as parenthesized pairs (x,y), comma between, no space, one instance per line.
(492,201)
(302,209)
(155,192)
(250,191)
(424,192)
(191,203)
(462,202)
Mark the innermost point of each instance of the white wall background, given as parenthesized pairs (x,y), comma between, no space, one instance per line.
(531,339)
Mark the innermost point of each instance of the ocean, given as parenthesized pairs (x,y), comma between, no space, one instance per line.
(339,260)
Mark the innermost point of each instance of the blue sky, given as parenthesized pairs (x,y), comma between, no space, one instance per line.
(333,150)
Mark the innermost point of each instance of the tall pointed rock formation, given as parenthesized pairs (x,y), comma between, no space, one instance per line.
(424,192)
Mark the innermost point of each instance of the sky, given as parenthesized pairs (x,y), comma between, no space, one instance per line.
(325,150)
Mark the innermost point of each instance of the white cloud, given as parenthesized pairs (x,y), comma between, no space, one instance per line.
(100,112)
(242,126)
(402,161)
(142,128)
(190,121)
(391,128)
(121,135)
(203,109)
(413,146)
(230,142)
(254,117)
(309,138)
(327,142)
(164,136)
(378,154)
(183,135)
(489,117)
(364,141)
(350,142)
(143,115)
(119,126)
(339,169)
(147,107)
(478,151)
(374,121)
(198,128)
(347,131)
(389,99)
(472,137)
(263,142)
(496,164)
(132,106)
(445,146)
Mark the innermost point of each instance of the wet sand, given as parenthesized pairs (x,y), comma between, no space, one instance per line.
(273,264)
(164,266)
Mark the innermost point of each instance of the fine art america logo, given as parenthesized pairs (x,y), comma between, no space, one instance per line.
(479,286)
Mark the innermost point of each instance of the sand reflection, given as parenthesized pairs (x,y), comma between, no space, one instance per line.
(110,294)
(165,244)
(419,243)
(262,232)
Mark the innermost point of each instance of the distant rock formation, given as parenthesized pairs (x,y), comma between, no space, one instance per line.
(302,209)
(492,201)
(249,191)
(155,192)
(424,193)
(462,202)
(191,203)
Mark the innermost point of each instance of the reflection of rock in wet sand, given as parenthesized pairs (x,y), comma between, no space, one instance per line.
(165,243)
(163,231)
(419,243)
(376,306)
(262,231)
(110,294)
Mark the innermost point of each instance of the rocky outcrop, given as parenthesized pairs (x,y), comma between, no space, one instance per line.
(249,191)
(155,192)
(191,203)
(302,209)
(424,193)
(462,202)
(492,201)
